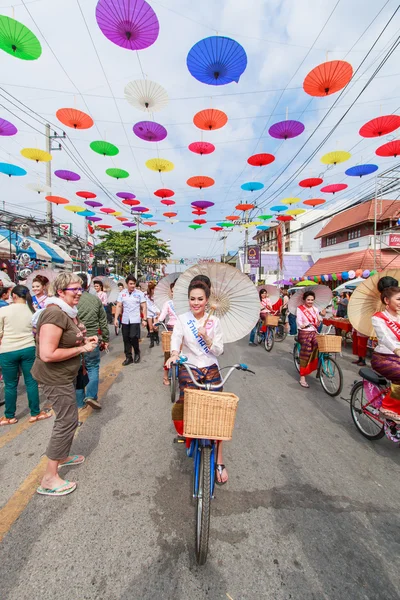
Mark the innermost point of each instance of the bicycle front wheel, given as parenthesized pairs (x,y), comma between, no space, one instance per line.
(330,375)
(203,506)
(269,339)
(367,424)
(296,356)
(280,333)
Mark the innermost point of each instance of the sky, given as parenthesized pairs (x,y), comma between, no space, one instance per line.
(284,39)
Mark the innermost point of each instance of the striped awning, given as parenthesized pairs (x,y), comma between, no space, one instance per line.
(39,249)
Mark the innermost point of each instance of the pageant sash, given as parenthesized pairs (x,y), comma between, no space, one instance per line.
(392,325)
(310,316)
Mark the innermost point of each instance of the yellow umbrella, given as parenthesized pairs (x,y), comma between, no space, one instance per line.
(116,214)
(36,154)
(290,201)
(294,212)
(159,164)
(333,158)
(75,208)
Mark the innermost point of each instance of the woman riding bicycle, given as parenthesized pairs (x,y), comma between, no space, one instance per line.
(308,321)
(201,341)
(168,312)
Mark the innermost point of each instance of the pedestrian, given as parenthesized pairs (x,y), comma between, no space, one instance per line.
(17,351)
(5,292)
(92,314)
(308,320)
(131,301)
(40,291)
(168,313)
(360,344)
(152,314)
(61,340)
(342,306)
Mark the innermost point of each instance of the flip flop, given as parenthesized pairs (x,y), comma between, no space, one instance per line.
(5,421)
(304,385)
(40,417)
(219,469)
(166,382)
(62,490)
(75,460)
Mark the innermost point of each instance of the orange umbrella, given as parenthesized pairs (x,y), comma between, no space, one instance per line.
(232,218)
(122,219)
(149,223)
(314,202)
(200,181)
(131,202)
(76,119)
(170,214)
(210,119)
(57,200)
(244,207)
(328,78)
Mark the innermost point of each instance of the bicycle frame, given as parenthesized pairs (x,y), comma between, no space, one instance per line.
(381,391)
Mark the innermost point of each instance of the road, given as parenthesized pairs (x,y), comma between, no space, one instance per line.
(311,509)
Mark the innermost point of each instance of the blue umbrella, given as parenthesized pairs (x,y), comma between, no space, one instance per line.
(252,186)
(148,216)
(262,227)
(360,170)
(86,213)
(217,60)
(279,208)
(12,170)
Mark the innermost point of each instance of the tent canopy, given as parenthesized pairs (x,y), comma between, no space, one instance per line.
(39,249)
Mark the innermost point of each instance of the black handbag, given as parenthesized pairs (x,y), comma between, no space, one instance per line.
(82,379)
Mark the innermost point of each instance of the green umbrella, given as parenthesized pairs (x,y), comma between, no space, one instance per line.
(226,224)
(117,173)
(18,40)
(264,217)
(305,283)
(104,148)
(195,226)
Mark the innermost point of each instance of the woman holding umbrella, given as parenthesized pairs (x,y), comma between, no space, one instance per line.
(308,321)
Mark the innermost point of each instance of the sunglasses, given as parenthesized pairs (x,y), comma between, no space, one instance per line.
(75,290)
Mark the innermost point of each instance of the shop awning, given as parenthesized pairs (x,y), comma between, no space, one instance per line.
(39,249)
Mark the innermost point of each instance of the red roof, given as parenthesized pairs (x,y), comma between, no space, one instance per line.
(362,213)
(352,261)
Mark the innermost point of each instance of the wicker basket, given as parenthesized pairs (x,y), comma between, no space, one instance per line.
(209,415)
(166,340)
(271,320)
(329,343)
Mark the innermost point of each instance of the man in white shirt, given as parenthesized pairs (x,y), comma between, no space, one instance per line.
(131,301)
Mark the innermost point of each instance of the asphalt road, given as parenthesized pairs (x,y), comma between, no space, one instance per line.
(311,509)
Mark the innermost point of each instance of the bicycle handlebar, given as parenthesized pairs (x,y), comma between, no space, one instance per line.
(188,367)
(161,323)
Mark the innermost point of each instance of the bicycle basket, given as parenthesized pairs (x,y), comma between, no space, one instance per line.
(209,415)
(329,343)
(271,320)
(166,340)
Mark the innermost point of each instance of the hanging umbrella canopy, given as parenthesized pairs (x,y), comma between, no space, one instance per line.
(361,170)
(323,297)
(261,160)
(7,128)
(140,209)
(125,195)
(122,219)
(162,291)
(170,214)
(148,215)
(150,223)
(202,204)
(216,228)
(284,218)
(12,170)
(116,213)
(146,95)
(73,208)
(168,202)
(40,188)
(104,148)
(252,186)
(223,224)
(335,157)
(262,227)
(93,203)
(107,211)
(130,25)
(117,173)
(244,207)
(285,130)
(365,301)
(58,200)
(164,193)
(199,221)
(67,175)
(18,40)
(328,78)
(314,202)
(333,188)
(232,218)
(86,213)
(311,182)
(200,182)
(234,298)
(94,219)
(129,224)
(159,164)
(290,201)
(278,208)
(86,195)
(76,119)
(199,212)
(150,131)
(130,202)
(389,149)
(201,148)
(217,60)
(36,154)
(195,226)
(210,119)
(305,283)
(104,226)
(264,217)
(380,126)
(272,291)
(295,212)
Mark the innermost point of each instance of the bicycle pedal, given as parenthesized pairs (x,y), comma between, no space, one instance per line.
(179,440)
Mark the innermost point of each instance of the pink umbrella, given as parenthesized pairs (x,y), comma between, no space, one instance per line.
(201,148)
(333,188)
(108,211)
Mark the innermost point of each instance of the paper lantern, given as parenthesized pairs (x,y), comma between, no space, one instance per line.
(352,274)
(366,273)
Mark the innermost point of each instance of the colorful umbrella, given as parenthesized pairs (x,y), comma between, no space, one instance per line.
(168,202)
(252,186)
(199,212)
(224,224)
(200,182)
(86,195)
(131,202)
(40,188)
(164,193)
(380,126)
(278,208)
(361,170)
(67,175)
(150,131)
(95,219)
(305,283)
(122,219)
(146,95)
(295,212)
(76,119)
(93,203)
(170,214)
(311,182)
(148,216)
(129,224)
(201,148)
(117,173)
(130,25)
(244,207)
(323,296)
(107,211)
(125,195)
(216,228)
(217,60)
(285,130)
(86,213)
(7,128)
(104,226)
(199,221)
(104,148)
(261,160)
(210,119)
(284,218)
(264,217)
(328,78)
(232,218)
(116,213)
(140,209)
(18,40)
(335,187)
(36,154)
(74,208)
(12,170)
(159,164)
(202,204)
(262,227)
(389,149)
(336,157)
(150,223)
(195,226)
(290,201)
(314,202)
(58,200)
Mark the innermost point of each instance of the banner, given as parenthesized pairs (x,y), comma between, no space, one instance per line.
(253,256)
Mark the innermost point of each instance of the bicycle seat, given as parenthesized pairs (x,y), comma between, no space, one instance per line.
(373,376)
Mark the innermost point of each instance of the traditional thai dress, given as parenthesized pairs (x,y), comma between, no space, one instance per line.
(385,361)
(308,320)
(168,311)
(39,301)
(265,309)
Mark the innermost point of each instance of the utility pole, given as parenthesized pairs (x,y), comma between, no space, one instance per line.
(375,218)
(137,221)
(50,149)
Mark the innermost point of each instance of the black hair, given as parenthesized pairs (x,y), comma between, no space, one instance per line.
(199,285)
(386,282)
(84,279)
(130,278)
(42,279)
(388,292)
(23,292)
(308,293)
(120,283)
(202,279)
(3,290)
(262,291)
(100,283)
(172,285)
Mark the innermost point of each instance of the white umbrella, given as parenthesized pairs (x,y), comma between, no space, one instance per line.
(49,273)
(110,287)
(162,291)
(323,296)
(351,284)
(273,292)
(234,298)
(146,95)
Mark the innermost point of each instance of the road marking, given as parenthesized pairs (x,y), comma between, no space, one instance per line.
(15,430)
(21,498)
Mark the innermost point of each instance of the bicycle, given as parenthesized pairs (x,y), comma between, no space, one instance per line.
(267,336)
(365,403)
(329,372)
(204,452)
(280,331)
(173,372)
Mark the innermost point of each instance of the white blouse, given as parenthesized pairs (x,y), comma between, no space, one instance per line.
(152,309)
(193,346)
(387,341)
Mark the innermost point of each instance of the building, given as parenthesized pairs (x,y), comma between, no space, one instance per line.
(294,265)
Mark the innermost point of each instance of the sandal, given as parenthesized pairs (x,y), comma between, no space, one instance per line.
(218,471)
(62,490)
(304,385)
(166,382)
(40,417)
(78,459)
(5,421)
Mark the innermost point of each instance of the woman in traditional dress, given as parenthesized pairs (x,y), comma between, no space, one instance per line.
(386,358)
(39,291)
(168,312)
(152,314)
(308,320)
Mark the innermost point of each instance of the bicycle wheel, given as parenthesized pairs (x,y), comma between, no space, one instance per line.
(296,356)
(280,333)
(259,335)
(368,425)
(269,339)
(174,383)
(203,506)
(330,375)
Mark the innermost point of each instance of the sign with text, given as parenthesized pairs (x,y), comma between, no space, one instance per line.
(394,240)
(65,229)
(253,256)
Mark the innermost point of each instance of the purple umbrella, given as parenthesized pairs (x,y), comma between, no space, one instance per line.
(67,175)
(140,209)
(93,203)
(150,131)
(7,128)
(129,224)
(282,282)
(131,25)
(94,219)
(202,204)
(126,195)
(286,129)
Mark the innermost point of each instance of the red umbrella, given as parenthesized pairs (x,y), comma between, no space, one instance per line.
(217,228)
(108,211)
(232,217)
(314,202)
(57,200)
(284,218)
(200,182)
(380,126)
(389,149)
(328,78)
(199,212)
(199,221)
(150,223)
(164,193)
(201,148)
(170,214)
(86,195)
(104,227)
(260,160)
(168,202)
(210,119)
(335,187)
(311,182)
(130,202)
(244,207)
